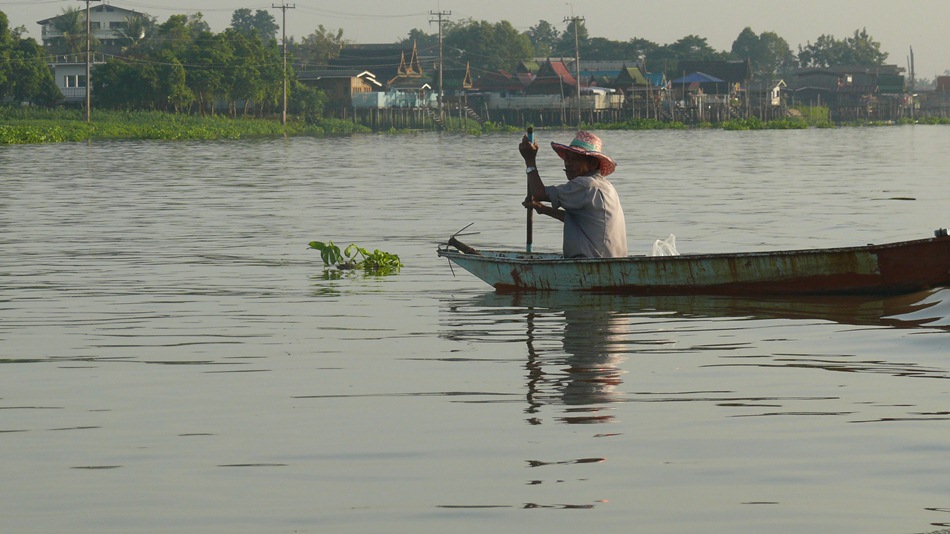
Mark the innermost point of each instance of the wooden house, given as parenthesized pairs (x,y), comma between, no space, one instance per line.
(500,81)
(762,93)
(851,91)
(340,85)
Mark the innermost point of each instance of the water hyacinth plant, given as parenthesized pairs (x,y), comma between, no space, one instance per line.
(376,262)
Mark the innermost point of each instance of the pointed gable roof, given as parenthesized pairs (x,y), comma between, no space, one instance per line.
(628,77)
(553,78)
(528,66)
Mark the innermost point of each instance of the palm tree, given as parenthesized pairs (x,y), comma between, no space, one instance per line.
(137,29)
(71,26)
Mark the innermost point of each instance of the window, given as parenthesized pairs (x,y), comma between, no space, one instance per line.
(118,25)
(95,25)
(74,80)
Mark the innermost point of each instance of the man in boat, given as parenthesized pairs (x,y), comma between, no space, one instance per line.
(587,204)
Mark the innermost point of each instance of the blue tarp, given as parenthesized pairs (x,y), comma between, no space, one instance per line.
(697,77)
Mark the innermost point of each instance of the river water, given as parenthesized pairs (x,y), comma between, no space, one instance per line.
(174,358)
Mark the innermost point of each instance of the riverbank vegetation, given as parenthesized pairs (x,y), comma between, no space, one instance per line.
(34,125)
(179,80)
(24,125)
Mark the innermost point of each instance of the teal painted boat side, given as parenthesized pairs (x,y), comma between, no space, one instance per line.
(873,269)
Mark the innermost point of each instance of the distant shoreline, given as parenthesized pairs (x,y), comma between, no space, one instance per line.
(18,126)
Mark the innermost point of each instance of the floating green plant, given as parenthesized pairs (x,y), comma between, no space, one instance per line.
(352,257)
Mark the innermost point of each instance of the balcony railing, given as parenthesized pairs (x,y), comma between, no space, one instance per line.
(60,59)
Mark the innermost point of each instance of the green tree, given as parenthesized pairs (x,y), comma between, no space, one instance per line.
(689,48)
(861,49)
(769,54)
(71,28)
(261,22)
(426,40)
(694,48)
(746,45)
(775,56)
(177,95)
(644,50)
(566,46)
(6,60)
(487,46)
(306,102)
(179,33)
(544,38)
(207,61)
(599,48)
(319,47)
(24,76)
(136,30)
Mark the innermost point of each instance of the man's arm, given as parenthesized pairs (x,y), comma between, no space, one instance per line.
(545,209)
(529,151)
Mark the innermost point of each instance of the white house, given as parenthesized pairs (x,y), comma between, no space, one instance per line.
(69,71)
(106,21)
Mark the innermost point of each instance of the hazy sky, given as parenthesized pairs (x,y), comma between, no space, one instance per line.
(897,25)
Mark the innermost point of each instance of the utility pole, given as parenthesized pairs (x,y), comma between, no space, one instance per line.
(577,62)
(440,14)
(913,85)
(88,65)
(284,7)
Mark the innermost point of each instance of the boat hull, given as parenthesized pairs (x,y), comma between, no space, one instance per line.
(888,269)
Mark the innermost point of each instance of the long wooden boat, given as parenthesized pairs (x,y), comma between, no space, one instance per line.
(887,269)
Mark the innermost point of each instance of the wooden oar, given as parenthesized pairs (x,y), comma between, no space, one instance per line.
(530,236)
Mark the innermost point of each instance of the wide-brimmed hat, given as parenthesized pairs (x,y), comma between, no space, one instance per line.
(587,144)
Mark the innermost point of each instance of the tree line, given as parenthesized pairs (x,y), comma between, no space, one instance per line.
(180,65)
(488,47)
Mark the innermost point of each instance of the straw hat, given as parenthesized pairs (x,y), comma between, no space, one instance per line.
(587,144)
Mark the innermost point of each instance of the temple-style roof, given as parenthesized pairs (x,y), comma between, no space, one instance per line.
(553,78)
(387,61)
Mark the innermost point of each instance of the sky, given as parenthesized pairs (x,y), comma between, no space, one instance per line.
(898,26)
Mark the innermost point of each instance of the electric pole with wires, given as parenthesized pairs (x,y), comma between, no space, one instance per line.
(440,14)
(577,60)
(284,7)
(88,63)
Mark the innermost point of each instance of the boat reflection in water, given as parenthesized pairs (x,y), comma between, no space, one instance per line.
(577,342)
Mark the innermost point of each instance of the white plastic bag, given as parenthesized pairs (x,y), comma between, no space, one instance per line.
(665,247)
